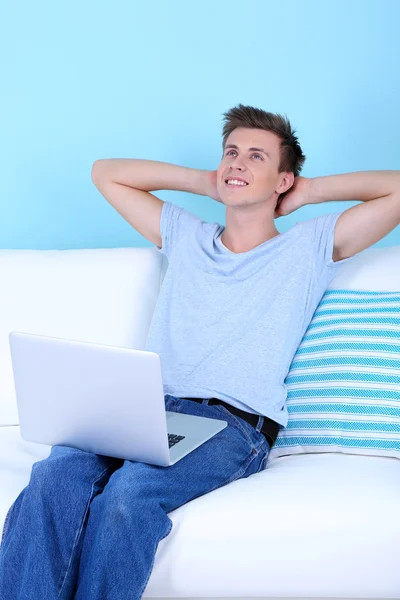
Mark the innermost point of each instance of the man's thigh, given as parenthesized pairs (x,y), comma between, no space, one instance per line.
(235,452)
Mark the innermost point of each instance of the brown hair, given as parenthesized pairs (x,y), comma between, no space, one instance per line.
(292,157)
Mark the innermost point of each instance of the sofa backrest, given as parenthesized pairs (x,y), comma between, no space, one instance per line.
(108,296)
(374,269)
(105,296)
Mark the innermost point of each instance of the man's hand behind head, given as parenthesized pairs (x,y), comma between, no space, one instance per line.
(212,190)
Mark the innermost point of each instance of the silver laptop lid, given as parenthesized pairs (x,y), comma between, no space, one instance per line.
(90,396)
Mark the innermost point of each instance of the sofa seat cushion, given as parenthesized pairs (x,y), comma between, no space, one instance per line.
(310,525)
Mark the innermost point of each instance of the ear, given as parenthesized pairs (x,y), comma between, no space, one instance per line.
(286,182)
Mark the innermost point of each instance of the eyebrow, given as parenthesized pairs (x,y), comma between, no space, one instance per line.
(256,149)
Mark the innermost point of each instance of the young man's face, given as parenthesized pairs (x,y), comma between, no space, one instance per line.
(258,168)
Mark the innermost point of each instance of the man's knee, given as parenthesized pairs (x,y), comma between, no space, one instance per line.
(127,488)
(62,464)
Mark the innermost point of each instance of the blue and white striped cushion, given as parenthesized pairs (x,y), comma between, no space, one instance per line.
(344,381)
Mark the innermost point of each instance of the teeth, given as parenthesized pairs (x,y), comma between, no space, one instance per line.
(235,182)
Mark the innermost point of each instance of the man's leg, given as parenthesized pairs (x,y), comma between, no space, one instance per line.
(43,532)
(127,521)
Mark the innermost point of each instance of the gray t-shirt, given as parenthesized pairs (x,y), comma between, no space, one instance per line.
(228,325)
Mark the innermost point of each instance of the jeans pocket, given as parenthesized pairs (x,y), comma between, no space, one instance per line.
(248,430)
(255,437)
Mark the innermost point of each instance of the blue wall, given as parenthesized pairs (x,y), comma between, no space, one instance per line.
(101,79)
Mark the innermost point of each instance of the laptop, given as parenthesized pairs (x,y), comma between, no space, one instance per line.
(102,399)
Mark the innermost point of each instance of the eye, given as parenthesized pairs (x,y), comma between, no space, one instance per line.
(255,154)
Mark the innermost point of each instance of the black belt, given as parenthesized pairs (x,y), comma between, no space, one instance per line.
(269,428)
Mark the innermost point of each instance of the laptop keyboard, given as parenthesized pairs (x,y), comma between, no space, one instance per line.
(174,439)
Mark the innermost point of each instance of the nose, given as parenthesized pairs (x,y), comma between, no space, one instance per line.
(236,164)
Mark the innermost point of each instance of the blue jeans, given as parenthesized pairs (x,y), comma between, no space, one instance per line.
(87,526)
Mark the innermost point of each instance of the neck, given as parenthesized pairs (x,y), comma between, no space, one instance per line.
(245,232)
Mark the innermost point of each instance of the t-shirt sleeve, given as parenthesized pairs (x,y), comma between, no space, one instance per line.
(323,236)
(175,225)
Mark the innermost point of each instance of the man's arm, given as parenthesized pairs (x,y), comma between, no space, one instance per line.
(126,183)
(362,225)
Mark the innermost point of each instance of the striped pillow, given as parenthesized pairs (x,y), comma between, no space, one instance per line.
(344,381)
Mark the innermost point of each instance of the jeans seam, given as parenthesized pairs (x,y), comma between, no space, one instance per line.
(242,469)
(264,460)
(6,521)
(79,530)
(8,517)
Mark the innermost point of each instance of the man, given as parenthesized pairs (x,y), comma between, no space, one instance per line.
(234,305)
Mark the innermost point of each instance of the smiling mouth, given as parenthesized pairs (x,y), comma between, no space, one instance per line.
(235,183)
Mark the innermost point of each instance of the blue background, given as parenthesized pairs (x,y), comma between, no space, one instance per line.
(83,80)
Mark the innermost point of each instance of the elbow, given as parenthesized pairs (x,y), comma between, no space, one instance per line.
(101,171)
(96,171)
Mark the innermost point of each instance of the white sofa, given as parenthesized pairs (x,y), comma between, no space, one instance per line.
(308,526)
